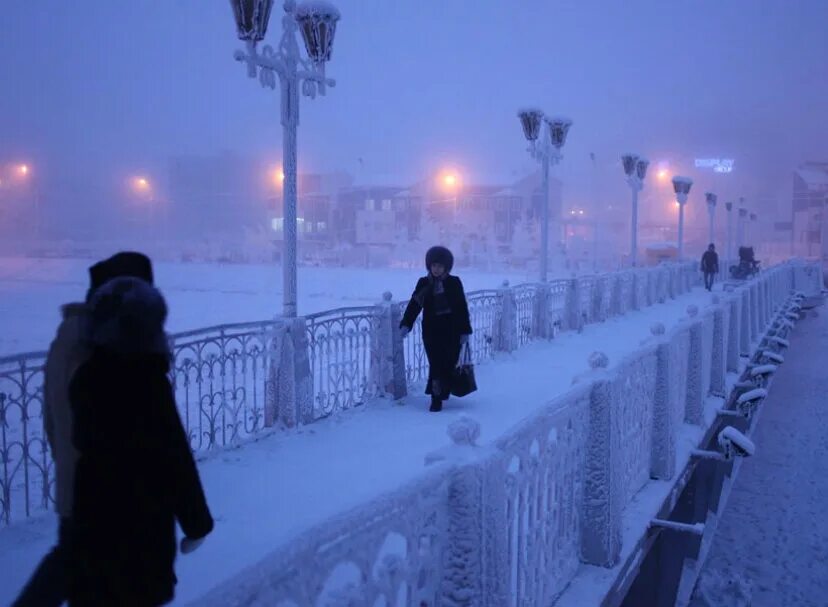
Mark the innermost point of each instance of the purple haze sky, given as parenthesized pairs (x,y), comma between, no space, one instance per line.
(93,87)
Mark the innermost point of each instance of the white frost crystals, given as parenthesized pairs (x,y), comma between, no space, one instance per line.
(733,442)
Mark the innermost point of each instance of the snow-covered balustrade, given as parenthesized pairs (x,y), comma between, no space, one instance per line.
(233,380)
(390,551)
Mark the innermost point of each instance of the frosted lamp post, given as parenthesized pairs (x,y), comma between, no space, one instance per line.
(740,239)
(711,199)
(546,137)
(316,22)
(681,186)
(729,207)
(635,168)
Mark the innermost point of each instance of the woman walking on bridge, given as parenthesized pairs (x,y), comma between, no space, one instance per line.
(446,323)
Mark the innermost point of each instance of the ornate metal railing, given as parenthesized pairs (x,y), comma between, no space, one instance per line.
(483,311)
(219,376)
(339,348)
(526,299)
(25,485)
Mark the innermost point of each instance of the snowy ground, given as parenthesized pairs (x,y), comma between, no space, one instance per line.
(771,546)
(199,294)
(266,493)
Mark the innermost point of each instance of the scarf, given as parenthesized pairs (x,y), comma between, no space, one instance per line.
(437,289)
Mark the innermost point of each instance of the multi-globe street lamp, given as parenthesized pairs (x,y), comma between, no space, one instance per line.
(546,149)
(635,168)
(711,199)
(316,22)
(681,186)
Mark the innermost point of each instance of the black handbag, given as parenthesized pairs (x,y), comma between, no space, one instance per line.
(463,382)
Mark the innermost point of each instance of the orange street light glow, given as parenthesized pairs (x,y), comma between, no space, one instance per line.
(23,169)
(663,174)
(141,184)
(279,176)
(450,180)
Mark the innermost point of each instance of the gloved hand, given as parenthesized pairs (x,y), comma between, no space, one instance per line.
(189,544)
(404,331)
(464,339)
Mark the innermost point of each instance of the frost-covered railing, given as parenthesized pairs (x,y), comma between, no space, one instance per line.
(388,552)
(233,380)
(219,378)
(510,523)
(339,350)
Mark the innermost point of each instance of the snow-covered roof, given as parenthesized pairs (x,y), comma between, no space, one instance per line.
(316,7)
(813,176)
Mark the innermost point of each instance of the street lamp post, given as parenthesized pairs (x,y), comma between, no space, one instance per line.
(752,229)
(546,150)
(711,199)
(729,207)
(681,186)
(316,21)
(635,168)
(743,213)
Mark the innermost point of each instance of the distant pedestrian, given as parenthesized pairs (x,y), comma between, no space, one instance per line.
(710,266)
(446,323)
(49,586)
(135,474)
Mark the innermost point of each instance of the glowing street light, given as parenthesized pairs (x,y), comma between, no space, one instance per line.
(635,168)
(546,149)
(450,180)
(23,170)
(316,23)
(681,186)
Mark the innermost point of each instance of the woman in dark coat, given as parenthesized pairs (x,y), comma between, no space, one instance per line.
(135,474)
(446,324)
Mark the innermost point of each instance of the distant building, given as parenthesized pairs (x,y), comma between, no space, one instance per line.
(810,193)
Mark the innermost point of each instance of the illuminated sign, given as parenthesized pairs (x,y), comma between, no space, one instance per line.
(719,165)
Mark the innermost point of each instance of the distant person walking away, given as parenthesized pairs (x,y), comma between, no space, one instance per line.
(49,586)
(135,474)
(446,324)
(710,266)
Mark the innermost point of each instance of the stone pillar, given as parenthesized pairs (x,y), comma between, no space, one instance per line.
(733,328)
(506,338)
(663,451)
(387,350)
(573,305)
(694,403)
(289,393)
(719,359)
(603,503)
(744,324)
(463,582)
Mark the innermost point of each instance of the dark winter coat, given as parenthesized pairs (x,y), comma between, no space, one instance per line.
(441,333)
(710,262)
(135,474)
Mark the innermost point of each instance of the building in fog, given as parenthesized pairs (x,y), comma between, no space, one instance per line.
(809,197)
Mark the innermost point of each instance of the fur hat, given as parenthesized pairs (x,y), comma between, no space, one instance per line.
(441,255)
(125,263)
(127,316)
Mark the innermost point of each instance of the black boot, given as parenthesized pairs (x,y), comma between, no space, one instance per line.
(436,404)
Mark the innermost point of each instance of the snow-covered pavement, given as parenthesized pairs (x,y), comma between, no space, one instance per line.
(771,546)
(267,492)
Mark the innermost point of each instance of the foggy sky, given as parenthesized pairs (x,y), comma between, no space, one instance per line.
(98,89)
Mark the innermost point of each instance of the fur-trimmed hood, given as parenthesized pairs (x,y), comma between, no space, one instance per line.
(127,316)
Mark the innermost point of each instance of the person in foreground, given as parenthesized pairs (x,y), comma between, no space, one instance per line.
(446,324)
(135,474)
(48,585)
